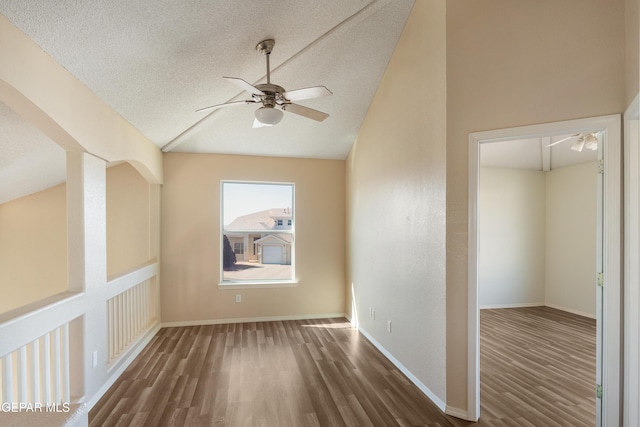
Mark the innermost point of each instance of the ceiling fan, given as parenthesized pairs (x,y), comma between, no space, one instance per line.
(588,140)
(272,96)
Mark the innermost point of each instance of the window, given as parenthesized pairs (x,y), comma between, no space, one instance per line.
(254,215)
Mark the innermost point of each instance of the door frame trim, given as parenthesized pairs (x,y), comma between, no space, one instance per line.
(612,220)
(631,414)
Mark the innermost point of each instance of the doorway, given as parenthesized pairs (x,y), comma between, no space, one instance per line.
(609,308)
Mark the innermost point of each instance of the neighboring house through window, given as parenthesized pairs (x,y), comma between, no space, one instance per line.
(260,216)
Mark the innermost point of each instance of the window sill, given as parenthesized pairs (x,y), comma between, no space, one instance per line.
(248,284)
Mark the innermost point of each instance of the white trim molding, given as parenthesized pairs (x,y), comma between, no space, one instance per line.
(610,126)
(117,370)
(252,319)
(572,311)
(514,305)
(631,416)
(423,388)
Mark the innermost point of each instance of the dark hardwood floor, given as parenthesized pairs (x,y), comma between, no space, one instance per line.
(324,373)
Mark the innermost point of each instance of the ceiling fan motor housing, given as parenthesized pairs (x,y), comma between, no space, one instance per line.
(265,46)
(272,95)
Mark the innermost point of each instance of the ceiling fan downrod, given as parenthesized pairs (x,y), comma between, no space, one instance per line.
(265,47)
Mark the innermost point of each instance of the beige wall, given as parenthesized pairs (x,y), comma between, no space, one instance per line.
(511,255)
(191,238)
(571,238)
(510,64)
(127,219)
(33,247)
(632,46)
(396,203)
(537,238)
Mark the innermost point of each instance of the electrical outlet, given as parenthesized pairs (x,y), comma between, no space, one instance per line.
(238,298)
(373,314)
(95,358)
(389,326)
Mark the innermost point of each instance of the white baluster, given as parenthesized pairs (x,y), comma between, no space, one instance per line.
(7,378)
(22,374)
(34,349)
(138,306)
(45,362)
(110,327)
(66,392)
(56,397)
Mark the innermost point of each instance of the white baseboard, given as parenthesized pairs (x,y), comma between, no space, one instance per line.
(251,319)
(116,371)
(538,304)
(515,305)
(458,413)
(423,388)
(572,311)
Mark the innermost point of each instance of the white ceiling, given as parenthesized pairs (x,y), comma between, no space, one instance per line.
(534,154)
(156,61)
(22,172)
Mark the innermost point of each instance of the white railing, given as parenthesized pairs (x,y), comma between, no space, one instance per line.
(34,351)
(37,340)
(131,307)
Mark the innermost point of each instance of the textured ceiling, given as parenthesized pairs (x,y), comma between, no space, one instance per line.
(22,172)
(156,62)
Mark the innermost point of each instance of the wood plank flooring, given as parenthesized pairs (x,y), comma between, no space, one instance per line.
(324,373)
(537,367)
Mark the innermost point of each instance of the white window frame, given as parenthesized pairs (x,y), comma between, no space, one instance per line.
(259,283)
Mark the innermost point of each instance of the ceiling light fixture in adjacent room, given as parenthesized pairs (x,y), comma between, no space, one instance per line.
(588,140)
(585,139)
(591,142)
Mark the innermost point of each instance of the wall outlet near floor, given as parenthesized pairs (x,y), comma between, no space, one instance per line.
(238,298)
(388,325)
(95,358)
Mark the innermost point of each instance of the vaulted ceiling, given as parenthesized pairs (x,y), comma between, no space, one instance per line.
(156,62)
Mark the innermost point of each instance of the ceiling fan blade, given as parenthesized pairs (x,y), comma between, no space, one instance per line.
(307,93)
(226,104)
(307,112)
(563,140)
(244,85)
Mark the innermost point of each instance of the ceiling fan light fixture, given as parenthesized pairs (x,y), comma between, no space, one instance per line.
(578,145)
(591,142)
(269,116)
